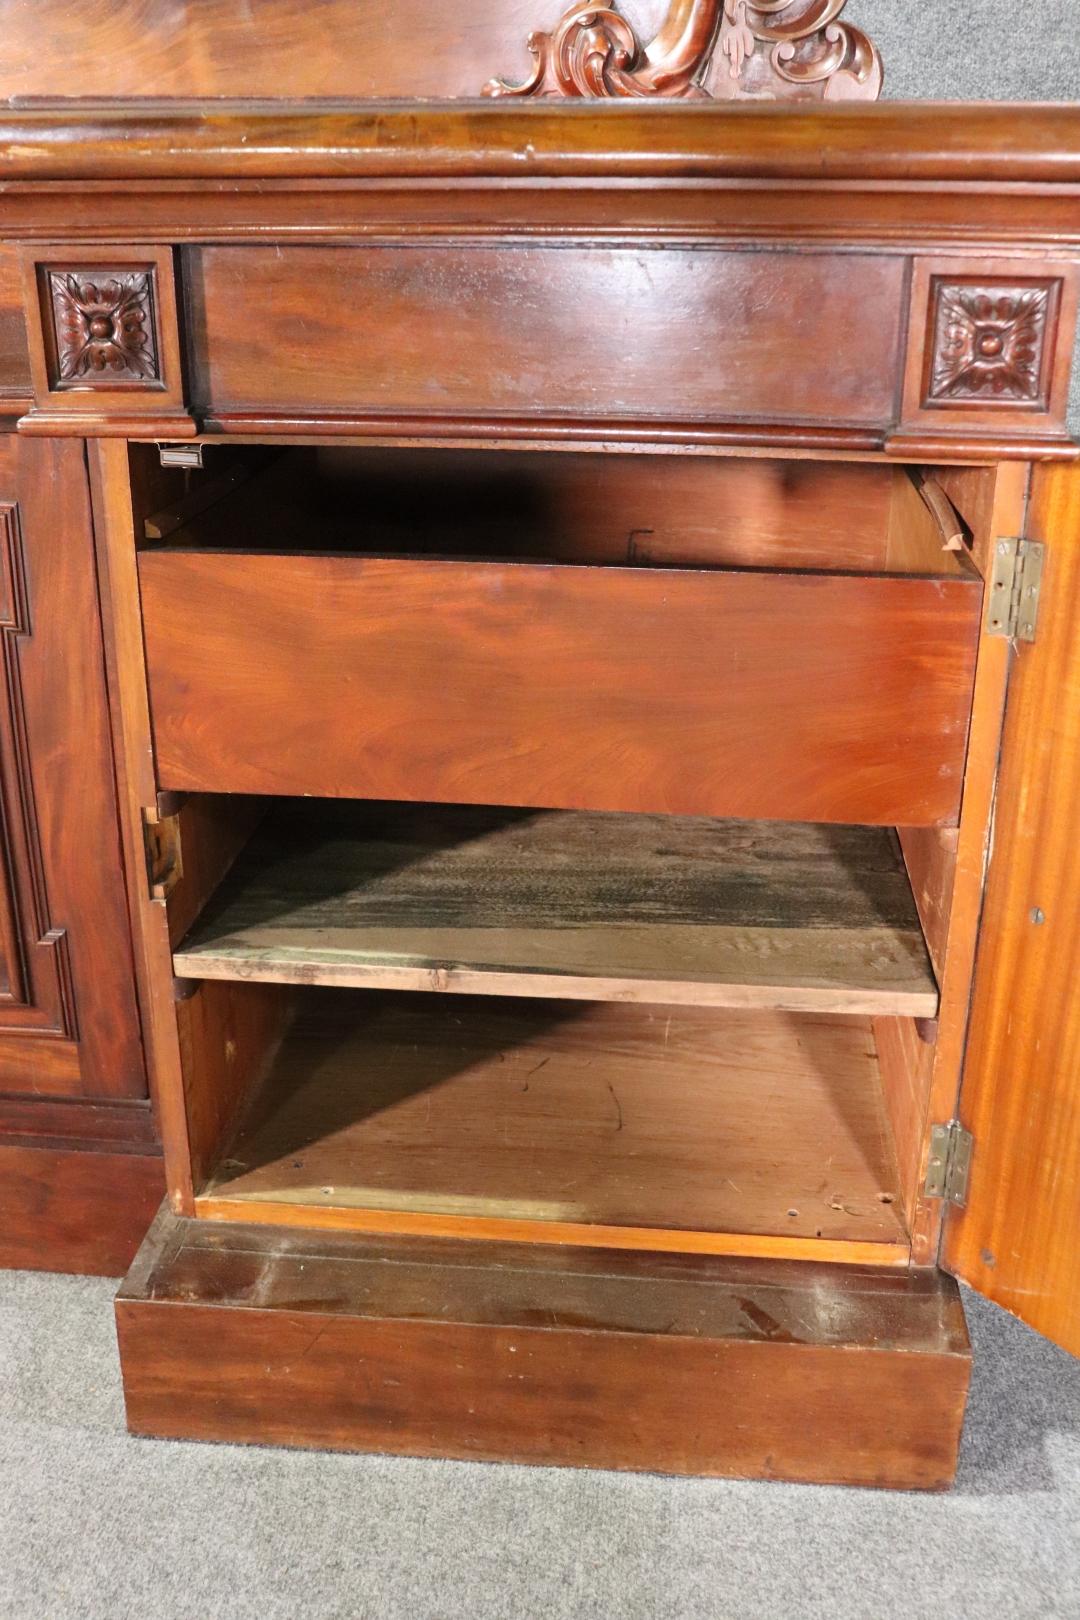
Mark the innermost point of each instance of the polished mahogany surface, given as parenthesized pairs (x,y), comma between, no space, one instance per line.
(414,49)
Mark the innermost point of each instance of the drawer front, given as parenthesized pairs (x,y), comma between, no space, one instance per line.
(810,697)
(557,331)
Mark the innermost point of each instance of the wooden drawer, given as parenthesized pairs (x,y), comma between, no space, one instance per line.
(565,332)
(817,697)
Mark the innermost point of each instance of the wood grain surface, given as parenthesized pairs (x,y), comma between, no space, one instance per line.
(350,48)
(801,333)
(685,1365)
(1004,514)
(802,696)
(116,497)
(544,1118)
(76,1211)
(1016,1240)
(428,328)
(919,146)
(682,511)
(354,49)
(905,1053)
(15,381)
(207,832)
(69,1024)
(570,904)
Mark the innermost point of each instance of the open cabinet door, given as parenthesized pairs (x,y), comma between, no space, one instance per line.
(1018,1239)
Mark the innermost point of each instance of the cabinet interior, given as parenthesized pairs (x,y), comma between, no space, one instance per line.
(554,1022)
(637,510)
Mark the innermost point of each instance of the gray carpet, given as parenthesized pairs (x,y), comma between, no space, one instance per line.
(975,50)
(95,1524)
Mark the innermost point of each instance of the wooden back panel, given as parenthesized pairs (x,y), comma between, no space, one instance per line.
(349,48)
(417,48)
(805,697)
(681,511)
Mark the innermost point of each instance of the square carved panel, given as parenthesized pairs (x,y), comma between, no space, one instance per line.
(991,341)
(105,339)
(104,327)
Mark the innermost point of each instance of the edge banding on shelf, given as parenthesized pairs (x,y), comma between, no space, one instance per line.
(681,910)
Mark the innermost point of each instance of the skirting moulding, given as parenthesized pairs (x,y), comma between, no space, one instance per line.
(722,50)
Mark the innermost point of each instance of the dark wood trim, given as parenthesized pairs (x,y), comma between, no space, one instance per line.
(74,1122)
(543,433)
(660,438)
(114,532)
(990,219)
(678,1364)
(915,145)
(73,1210)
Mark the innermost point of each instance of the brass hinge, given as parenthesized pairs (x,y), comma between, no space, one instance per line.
(949,1168)
(1013,609)
(161,844)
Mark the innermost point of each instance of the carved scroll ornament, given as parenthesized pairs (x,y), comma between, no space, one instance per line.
(706,50)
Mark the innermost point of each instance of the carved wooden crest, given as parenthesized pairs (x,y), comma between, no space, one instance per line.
(767,50)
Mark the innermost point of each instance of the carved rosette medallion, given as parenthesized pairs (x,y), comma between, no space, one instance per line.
(706,49)
(103,327)
(989,342)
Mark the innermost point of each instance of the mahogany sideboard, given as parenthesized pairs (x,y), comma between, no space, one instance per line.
(540,745)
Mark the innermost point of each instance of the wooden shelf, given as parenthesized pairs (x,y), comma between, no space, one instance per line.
(757,1133)
(678,910)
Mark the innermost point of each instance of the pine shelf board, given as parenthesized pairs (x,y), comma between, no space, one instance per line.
(661,909)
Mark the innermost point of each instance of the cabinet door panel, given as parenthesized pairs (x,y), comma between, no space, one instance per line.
(68,1018)
(1016,1241)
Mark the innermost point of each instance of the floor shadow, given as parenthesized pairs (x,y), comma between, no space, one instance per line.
(305,852)
(874,867)
(435,504)
(312,851)
(317,1090)
(1025,1395)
